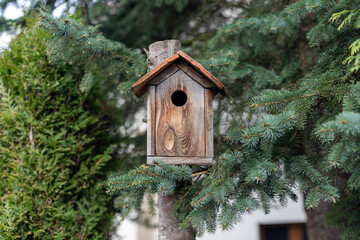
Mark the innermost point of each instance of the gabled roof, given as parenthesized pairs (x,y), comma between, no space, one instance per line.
(139,88)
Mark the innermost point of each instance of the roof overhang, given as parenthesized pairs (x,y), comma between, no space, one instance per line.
(139,87)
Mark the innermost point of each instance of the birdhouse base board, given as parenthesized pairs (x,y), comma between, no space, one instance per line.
(182,160)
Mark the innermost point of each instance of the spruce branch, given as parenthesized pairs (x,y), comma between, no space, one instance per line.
(73,42)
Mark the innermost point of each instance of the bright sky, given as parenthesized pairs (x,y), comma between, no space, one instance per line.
(12,12)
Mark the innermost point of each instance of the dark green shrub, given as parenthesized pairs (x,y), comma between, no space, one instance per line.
(53,147)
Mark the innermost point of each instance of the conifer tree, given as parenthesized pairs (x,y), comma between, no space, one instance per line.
(139,23)
(55,146)
(289,64)
(307,136)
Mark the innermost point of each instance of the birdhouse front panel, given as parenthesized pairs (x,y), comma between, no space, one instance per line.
(179,124)
(180,116)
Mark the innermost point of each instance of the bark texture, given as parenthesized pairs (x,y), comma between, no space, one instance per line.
(315,225)
(168,226)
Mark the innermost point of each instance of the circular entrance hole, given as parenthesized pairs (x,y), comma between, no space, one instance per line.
(178,98)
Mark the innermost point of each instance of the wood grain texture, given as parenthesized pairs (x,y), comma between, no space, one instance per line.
(173,68)
(161,51)
(186,122)
(209,129)
(194,74)
(168,226)
(183,160)
(203,71)
(157,58)
(139,88)
(150,121)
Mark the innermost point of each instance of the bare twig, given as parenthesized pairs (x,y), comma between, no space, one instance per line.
(199,173)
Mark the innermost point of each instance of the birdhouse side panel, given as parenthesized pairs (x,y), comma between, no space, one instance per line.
(180,125)
(209,126)
(150,148)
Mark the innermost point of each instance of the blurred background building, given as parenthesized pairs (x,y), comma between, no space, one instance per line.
(280,224)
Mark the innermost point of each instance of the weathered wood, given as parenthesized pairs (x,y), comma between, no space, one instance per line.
(183,160)
(139,87)
(209,131)
(203,71)
(173,68)
(161,51)
(168,225)
(151,121)
(183,125)
(158,53)
(191,72)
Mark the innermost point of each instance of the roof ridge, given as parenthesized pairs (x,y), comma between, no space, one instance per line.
(139,89)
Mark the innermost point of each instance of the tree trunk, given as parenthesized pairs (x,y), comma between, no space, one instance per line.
(316,228)
(168,226)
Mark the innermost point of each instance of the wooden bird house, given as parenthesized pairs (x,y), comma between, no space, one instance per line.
(180,113)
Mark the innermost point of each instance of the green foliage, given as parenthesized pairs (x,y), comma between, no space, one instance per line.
(285,66)
(54,148)
(73,42)
(157,178)
(140,23)
(106,65)
(346,216)
(352,18)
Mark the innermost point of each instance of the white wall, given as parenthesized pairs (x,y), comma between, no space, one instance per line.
(248,228)
(127,230)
